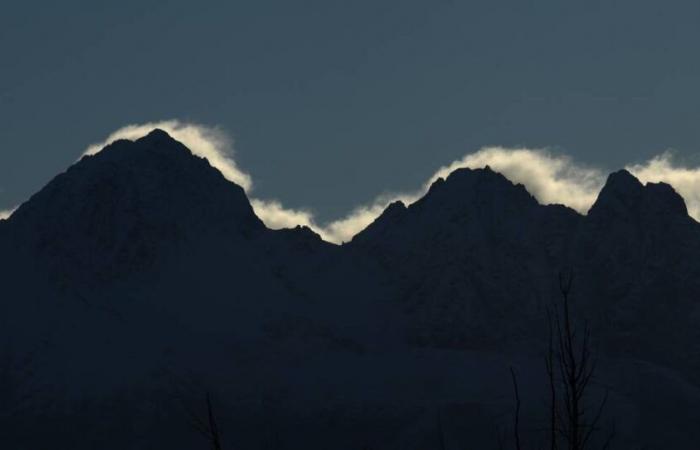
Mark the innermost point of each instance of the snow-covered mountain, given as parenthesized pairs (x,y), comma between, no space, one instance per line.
(141,278)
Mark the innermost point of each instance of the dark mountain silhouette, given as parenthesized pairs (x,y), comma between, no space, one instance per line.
(121,208)
(141,279)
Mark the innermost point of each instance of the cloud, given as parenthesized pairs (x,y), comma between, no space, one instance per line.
(277,216)
(342,230)
(207,142)
(217,147)
(6,213)
(549,177)
(686,181)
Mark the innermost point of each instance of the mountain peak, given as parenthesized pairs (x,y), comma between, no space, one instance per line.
(476,198)
(158,134)
(158,139)
(129,200)
(623,181)
(624,194)
(466,187)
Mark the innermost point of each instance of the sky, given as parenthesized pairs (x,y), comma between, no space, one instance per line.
(329,106)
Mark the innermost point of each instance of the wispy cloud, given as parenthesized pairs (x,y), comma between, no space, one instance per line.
(276,216)
(6,213)
(215,145)
(551,178)
(204,141)
(685,180)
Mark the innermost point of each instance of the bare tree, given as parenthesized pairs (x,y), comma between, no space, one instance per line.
(441,433)
(202,422)
(206,426)
(186,391)
(572,353)
(516,419)
(570,365)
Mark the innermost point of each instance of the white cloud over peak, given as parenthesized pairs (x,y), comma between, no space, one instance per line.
(549,177)
(217,147)
(204,141)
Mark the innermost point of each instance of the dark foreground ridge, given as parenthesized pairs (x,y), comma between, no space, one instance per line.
(140,282)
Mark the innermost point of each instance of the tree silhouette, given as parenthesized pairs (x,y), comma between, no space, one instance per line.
(570,366)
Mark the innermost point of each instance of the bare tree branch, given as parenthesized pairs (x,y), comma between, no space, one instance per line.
(516,425)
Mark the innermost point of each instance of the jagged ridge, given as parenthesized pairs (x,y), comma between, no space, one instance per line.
(143,256)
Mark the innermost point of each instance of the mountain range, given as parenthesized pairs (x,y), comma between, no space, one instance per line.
(141,278)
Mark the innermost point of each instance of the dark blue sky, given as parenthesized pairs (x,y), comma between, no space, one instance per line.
(332,103)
